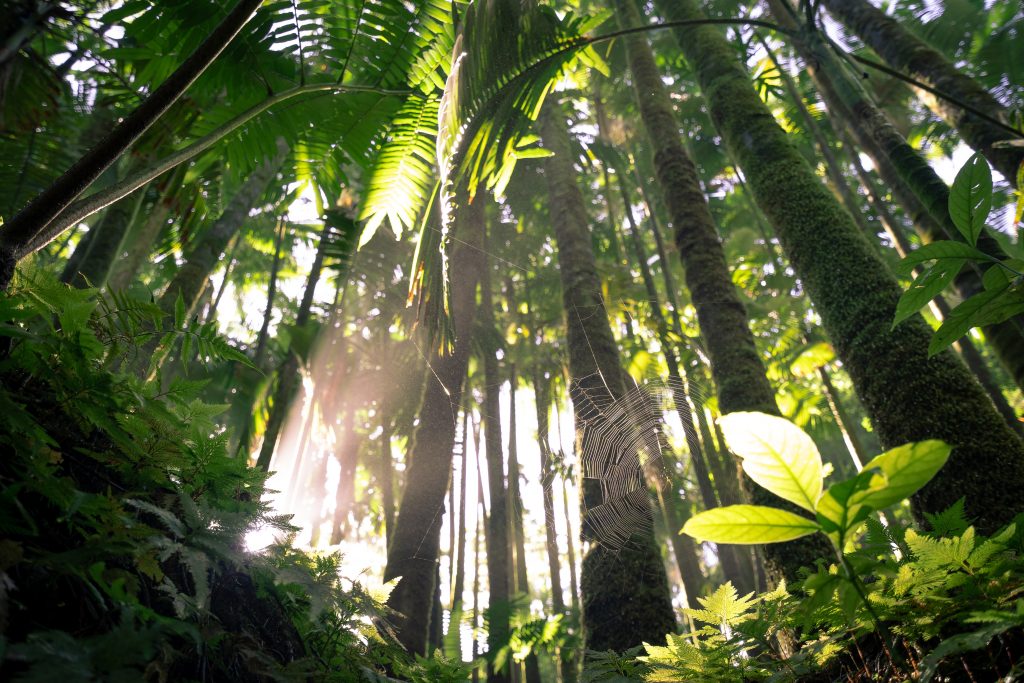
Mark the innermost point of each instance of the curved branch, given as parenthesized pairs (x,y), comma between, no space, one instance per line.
(97,201)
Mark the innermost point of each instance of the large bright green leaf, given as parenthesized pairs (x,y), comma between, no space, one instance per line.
(776,454)
(748,524)
(906,468)
(970,198)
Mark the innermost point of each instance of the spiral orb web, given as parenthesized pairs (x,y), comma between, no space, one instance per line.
(625,444)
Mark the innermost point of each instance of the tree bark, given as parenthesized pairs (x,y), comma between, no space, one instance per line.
(498,560)
(913,175)
(413,550)
(909,396)
(625,594)
(903,50)
(736,364)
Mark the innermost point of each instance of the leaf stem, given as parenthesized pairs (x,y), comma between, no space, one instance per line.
(888,641)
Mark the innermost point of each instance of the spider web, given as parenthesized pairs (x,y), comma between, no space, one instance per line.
(625,449)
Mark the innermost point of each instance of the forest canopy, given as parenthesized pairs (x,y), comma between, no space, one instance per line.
(518,340)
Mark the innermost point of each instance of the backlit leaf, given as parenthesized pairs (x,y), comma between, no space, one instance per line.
(776,454)
(748,524)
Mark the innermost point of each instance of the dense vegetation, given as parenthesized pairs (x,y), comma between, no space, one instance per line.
(418,340)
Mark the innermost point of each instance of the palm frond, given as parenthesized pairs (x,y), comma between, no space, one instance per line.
(402,177)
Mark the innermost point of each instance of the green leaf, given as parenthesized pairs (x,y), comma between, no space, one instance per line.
(748,524)
(985,308)
(533,153)
(906,468)
(841,509)
(179,312)
(940,250)
(970,198)
(926,287)
(776,454)
(811,358)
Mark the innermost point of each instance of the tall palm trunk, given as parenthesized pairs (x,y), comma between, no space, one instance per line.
(26,231)
(625,594)
(736,365)
(904,51)
(914,176)
(91,267)
(909,396)
(414,547)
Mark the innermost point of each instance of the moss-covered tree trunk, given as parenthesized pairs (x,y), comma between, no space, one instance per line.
(414,546)
(906,52)
(140,241)
(736,365)
(625,596)
(908,396)
(909,173)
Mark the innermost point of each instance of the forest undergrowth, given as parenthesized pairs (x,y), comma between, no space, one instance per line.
(124,516)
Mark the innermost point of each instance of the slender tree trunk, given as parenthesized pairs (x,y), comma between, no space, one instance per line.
(522,584)
(268,310)
(542,401)
(31,222)
(459,584)
(288,374)
(435,633)
(498,562)
(232,250)
(387,481)
(140,243)
(413,550)
(347,450)
(736,364)
(969,108)
(874,131)
(481,521)
(204,255)
(909,396)
(625,594)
